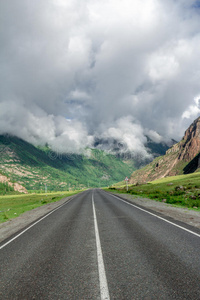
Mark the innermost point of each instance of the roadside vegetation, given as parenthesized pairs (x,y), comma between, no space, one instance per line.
(5,188)
(183,190)
(12,206)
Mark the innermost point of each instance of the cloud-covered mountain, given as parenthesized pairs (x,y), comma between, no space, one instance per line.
(150,150)
(181,158)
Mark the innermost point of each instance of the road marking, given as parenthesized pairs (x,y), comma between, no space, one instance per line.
(102,274)
(1,247)
(190,231)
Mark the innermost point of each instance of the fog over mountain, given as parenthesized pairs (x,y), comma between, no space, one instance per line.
(75,70)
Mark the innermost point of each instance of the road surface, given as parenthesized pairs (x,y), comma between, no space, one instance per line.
(97,246)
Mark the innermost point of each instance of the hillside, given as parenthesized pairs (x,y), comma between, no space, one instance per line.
(181,158)
(181,190)
(33,168)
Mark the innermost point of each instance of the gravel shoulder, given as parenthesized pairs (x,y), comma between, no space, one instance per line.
(14,225)
(185,215)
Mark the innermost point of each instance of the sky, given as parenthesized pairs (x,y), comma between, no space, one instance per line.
(74,70)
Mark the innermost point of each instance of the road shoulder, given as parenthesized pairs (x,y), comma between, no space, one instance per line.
(12,226)
(185,215)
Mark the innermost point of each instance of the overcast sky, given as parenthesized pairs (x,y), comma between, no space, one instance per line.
(74,69)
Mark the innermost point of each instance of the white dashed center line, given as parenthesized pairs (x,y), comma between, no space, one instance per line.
(102,274)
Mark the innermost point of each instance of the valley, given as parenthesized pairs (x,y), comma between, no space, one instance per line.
(172,178)
(40,169)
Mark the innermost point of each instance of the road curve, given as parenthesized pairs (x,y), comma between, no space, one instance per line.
(97,246)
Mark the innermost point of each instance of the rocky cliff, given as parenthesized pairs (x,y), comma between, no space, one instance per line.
(181,158)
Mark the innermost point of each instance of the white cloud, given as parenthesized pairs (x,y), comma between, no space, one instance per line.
(193,110)
(131,134)
(154,136)
(163,67)
(38,127)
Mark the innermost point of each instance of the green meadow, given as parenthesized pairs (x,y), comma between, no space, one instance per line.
(183,190)
(12,206)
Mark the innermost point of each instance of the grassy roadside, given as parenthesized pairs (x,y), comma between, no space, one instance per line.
(11,206)
(181,190)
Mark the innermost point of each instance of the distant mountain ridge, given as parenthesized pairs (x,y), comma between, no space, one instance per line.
(24,166)
(34,168)
(181,158)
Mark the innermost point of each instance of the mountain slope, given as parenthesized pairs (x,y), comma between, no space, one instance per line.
(181,158)
(34,168)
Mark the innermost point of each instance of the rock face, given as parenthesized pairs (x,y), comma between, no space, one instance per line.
(181,158)
(190,146)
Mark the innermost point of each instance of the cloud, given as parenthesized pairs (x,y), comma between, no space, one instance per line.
(39,128)
(72,71)
(130,133)
(193,110)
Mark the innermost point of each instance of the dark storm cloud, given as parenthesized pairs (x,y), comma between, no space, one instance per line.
(73,70)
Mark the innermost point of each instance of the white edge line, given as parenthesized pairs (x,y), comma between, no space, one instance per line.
(35,224)
(102,274)
(157,216)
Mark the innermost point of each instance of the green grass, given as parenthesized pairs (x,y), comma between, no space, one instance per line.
(12,206)
(192,176)
(183,190)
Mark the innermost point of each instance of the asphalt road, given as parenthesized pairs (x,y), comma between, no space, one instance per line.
(97,246)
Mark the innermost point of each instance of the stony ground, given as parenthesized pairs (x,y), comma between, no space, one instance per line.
(185,215)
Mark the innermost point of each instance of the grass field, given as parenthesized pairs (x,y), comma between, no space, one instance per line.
(12,206)
(183,190)
(188,177)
